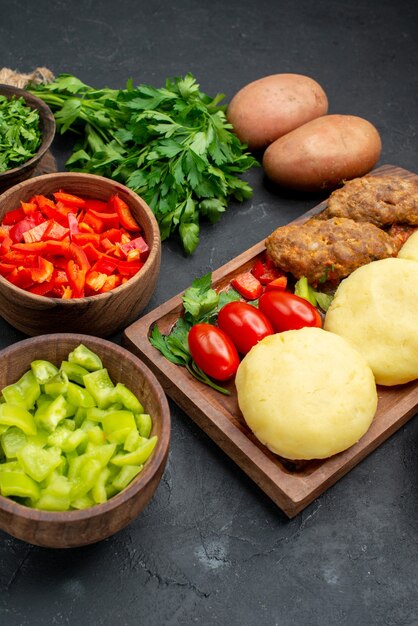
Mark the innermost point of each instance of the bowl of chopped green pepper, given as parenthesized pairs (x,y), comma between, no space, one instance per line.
(27,129)
(84,439)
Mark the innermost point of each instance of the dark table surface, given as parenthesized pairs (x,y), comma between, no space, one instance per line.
(211,548)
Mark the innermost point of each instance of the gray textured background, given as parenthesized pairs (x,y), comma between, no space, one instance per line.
(211,548)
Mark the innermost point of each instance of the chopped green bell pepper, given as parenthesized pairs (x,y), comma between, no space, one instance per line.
(86,358)
(101,387)
(14,415)
(12,440)
(138,456)
(74,372)
(24,392)
(43,370)
(18,484)
(38,463)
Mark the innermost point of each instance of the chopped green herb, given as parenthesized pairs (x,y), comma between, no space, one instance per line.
(172,145)
(201,304)
(20,133)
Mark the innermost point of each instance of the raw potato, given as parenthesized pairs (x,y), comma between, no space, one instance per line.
(306,394)
(270,107)
(409,249)
(375,309)
(323,153)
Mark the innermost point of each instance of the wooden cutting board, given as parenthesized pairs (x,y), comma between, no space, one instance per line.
(292,486)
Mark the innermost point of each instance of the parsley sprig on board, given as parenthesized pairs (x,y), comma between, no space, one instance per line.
(201,304)
(171,145)
(20,132)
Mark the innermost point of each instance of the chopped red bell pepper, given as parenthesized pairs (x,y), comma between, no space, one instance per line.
(37,232)
(13,216)
(109,220)
(69,199)
(247,286)
(277,283)
(73,224)
(43,271)
(70,246)
(97,205)
(56,231)
(76,278)
(95,223)
(136,244)
(126,218)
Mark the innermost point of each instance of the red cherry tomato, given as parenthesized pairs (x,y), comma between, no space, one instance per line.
(213,351)
(245,324)
(286,311)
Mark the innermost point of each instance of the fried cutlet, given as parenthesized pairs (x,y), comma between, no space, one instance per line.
(328,250)
(382,200)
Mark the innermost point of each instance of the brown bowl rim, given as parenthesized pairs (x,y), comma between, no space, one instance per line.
(48,127)
(154,252)
(151,467)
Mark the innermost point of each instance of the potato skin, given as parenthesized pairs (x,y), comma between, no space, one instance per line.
(323,153)
(272,106)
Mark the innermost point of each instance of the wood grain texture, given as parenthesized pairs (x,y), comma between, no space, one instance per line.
(292,486)
(102,314)
(77,528)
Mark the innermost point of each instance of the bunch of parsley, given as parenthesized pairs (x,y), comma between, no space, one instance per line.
(20,132)
(171,145)
(201,304)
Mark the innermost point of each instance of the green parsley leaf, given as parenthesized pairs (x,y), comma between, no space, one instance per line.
(172,145)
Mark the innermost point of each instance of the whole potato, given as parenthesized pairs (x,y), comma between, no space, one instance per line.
(323,153)
(270,107)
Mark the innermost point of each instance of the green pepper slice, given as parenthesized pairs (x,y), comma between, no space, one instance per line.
(86,358)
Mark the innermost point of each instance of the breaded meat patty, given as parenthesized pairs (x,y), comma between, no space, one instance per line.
(381,200)
(328,250)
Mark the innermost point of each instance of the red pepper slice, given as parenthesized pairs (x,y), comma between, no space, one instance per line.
(37,232)
(139,244)
(126,218)
(28,207)
(258,269)
(94,222)
(129,268)
(69,199)
(277,283)
(96,205)
(16,231)
(95,280)
(105,265)
(13,216)
(73,224)
(113,234)
(247,285)
(76,279)
(5,245)
(91,252)
(81,239)
(109,220)
(21,277)
(34,246)
(79,256)
(43,271)
(56,231)
(6,268)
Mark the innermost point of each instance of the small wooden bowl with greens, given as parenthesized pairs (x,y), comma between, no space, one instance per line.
(27,128)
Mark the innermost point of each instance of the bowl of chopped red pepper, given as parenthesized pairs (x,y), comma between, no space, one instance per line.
(78,253)
(27,129)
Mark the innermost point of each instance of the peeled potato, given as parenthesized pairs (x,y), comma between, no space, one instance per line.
(409,249)
(323,153)
(272,106)
(375,309)
(306,394)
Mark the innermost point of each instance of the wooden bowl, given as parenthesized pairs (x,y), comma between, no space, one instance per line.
(47,126)
(77,528)
(100,315)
